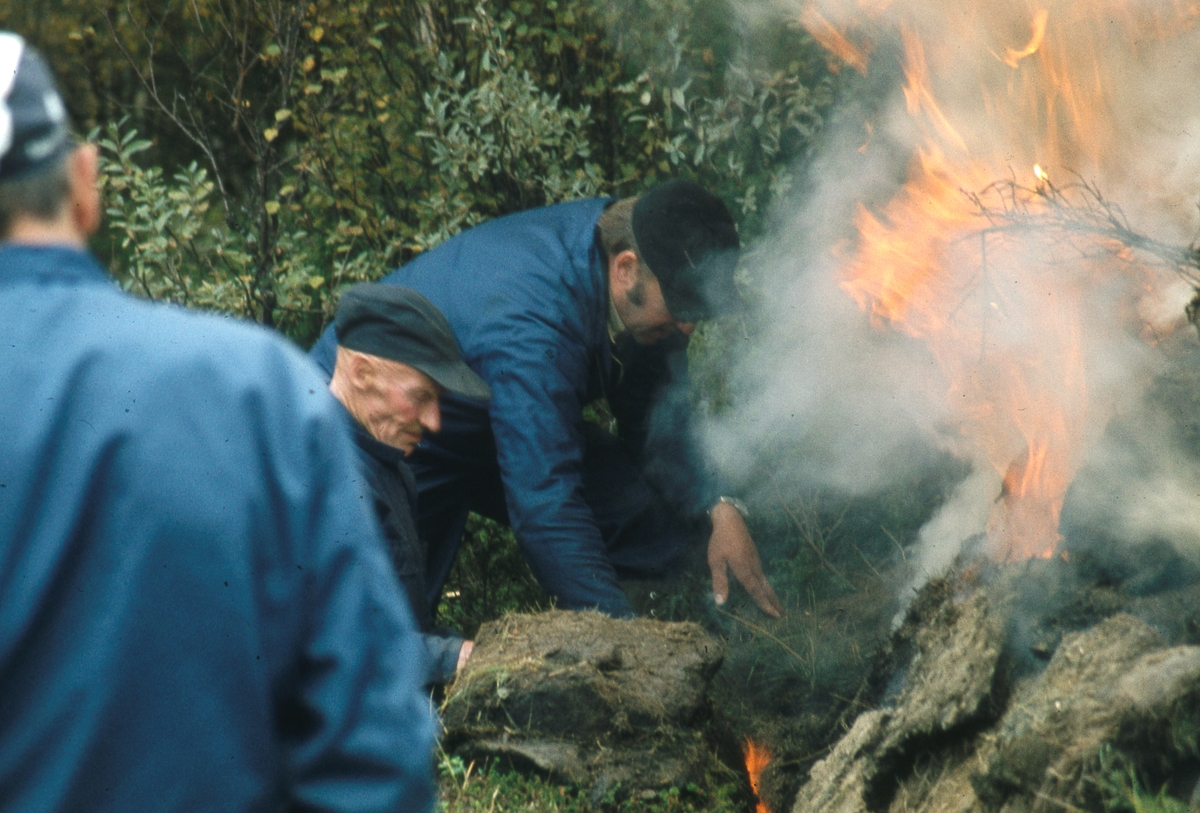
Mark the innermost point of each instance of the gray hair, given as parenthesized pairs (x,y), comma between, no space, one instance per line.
(40,194)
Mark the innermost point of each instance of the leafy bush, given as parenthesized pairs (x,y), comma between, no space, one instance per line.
(332,142)
(175,249)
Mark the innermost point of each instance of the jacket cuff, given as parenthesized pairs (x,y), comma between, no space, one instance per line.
(442,657)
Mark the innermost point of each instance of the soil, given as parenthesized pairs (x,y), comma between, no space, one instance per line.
(792,684)
(605,704)
(1005,688)
(795,684)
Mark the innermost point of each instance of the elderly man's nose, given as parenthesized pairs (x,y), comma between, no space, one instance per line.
(432,419)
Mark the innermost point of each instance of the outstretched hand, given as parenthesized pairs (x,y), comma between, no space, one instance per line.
(730,548)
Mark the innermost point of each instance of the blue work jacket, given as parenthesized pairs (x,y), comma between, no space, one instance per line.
(527,297)
(196,609)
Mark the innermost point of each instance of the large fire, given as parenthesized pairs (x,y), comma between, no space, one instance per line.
(1006,313)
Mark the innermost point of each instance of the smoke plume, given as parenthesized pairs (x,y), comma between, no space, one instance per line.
(1023,344)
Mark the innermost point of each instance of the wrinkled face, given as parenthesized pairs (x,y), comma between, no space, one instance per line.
(638,299)
(398,404)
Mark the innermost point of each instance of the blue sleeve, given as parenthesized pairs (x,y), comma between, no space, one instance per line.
(536,413)
(441,653)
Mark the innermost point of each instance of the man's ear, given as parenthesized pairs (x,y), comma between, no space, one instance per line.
(623,270)
(362,371)
(84,199)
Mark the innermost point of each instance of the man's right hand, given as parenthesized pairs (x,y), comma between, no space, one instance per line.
(730,548)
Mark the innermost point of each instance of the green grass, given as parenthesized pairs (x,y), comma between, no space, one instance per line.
(1127,794)
(466,788)
(1123,787)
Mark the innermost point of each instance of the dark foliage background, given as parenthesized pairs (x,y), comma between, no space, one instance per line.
(284,149)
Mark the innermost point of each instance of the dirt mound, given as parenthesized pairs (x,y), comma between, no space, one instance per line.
(588,699)
(971,732)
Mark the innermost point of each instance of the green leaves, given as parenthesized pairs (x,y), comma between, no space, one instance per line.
(172,246)
(497,132)
(348,137)
(168,249)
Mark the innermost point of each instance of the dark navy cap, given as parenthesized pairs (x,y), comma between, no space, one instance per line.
(34,130)
(398,323)
(688,240)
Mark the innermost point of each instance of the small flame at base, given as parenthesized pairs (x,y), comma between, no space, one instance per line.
(758,757)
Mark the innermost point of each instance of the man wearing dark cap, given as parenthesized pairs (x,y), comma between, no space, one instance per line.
(555,308)
(396,356)
(198,610)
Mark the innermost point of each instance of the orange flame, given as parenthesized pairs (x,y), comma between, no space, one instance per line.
(1005,316)
(1011,57)
(758,758)
(918,94)
(833,40)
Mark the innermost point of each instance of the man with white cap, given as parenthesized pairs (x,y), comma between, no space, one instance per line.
(198,611)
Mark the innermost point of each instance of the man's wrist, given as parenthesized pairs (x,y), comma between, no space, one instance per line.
(734,503)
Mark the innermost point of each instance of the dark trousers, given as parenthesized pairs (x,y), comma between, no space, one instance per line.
(644,536)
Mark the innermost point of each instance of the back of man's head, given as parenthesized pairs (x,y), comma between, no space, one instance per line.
(35,139)
(687,239)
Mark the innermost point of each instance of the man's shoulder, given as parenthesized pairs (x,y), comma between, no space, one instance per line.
(185,368)
(60,301)
(166,338)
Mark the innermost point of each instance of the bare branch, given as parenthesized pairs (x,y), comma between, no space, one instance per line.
(1077,209)
(149,82)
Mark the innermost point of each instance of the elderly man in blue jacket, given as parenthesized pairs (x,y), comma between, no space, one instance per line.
(554,308)
(396,357)
(198,612)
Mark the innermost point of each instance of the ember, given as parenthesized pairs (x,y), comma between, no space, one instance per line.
(757,759)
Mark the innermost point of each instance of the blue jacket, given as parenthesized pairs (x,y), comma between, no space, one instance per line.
(527,297)
(197,611)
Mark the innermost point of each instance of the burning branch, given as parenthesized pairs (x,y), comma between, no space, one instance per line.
(1079,209)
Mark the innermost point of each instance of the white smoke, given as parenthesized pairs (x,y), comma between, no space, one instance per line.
(831,401)
(1141,483)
